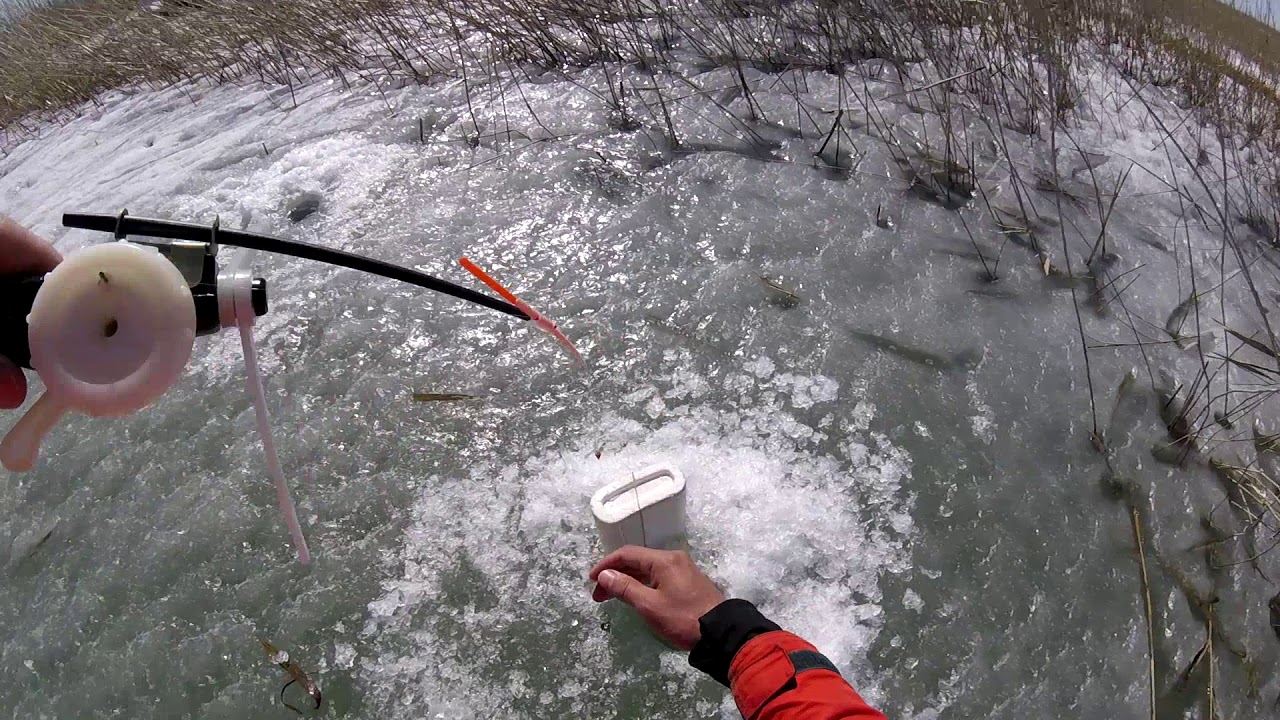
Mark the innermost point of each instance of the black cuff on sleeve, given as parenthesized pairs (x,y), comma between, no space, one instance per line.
(725,629)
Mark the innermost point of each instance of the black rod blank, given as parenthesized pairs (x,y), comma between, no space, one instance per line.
(123,225)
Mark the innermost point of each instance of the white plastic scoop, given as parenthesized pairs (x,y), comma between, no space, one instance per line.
(646,509)
(110,331)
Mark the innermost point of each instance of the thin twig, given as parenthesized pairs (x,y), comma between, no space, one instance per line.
(1146,604)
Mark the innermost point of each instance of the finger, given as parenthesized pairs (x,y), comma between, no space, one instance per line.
(23,251)
(631,559)
(13,385)
(627,589)
(599,594)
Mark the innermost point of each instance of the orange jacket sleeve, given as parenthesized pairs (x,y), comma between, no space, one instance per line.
(773,674)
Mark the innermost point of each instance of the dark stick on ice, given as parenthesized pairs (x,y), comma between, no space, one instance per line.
(990,270)
(1066,258)
(787,294)
(965,360)
(296,675)
(1146,604)
(835,125)
(443,397)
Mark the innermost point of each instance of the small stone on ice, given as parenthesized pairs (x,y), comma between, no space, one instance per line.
(655,408)
(762,367)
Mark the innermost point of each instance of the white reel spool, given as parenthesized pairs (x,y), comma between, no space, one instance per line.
(111,330)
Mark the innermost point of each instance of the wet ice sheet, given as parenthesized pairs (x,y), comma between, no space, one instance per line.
(380,455)
(995,578)
(490,610)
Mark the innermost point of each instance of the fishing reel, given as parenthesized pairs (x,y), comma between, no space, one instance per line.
(111,329)
(212,292)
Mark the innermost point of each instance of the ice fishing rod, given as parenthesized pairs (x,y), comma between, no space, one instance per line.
(193,249)
(113,326)
(123,225)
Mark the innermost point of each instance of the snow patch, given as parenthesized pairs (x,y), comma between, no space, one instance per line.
(815,572)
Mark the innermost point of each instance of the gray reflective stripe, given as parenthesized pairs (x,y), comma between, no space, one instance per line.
(803,660)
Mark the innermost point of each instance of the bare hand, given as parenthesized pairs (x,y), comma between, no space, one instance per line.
(666,588)
(21,251)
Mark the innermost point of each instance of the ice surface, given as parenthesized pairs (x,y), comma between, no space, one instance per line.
(344,656)
(928,508)
(489,546)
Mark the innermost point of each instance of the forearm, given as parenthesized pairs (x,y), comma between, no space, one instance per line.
(774,675)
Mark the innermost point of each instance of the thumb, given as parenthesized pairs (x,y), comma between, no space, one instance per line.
(626,588)
(13,385)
